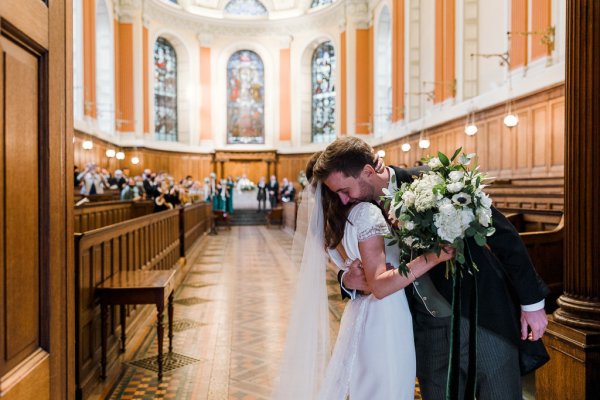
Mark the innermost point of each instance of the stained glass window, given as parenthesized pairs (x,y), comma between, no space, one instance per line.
(165,91)
(319,3)
(245,98)
(253,8)
(323,93)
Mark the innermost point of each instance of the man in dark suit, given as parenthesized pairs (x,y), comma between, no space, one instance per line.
(273,189)
(505,272)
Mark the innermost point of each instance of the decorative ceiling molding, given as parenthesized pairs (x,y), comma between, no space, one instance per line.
(158,10)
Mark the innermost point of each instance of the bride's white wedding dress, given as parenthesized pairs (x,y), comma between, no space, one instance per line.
(374,355)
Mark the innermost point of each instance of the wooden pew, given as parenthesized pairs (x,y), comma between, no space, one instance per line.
(92,216)
(194,222)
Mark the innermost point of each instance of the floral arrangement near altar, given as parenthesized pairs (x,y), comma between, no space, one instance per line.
(245,185)
(444,206)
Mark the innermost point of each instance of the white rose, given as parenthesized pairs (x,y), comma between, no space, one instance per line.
(456,176)
(434,163)
(409,225)
(455,187)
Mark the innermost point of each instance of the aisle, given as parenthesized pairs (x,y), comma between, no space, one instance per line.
(230,319)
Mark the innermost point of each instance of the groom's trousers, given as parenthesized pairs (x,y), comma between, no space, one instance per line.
(498,375)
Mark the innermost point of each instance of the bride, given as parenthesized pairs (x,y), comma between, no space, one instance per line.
(374,355)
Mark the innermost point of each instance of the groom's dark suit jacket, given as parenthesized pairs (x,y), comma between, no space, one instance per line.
(506,277)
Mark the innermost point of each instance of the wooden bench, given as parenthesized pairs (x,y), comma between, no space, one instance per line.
(275,215)
(137,287)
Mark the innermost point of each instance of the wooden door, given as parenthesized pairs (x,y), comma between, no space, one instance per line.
(36,254)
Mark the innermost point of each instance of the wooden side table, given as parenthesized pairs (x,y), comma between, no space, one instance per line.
(137,287)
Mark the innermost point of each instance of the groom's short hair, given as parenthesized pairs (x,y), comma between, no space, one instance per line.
(348,155)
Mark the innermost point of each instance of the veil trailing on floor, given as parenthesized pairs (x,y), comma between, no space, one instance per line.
(307,349)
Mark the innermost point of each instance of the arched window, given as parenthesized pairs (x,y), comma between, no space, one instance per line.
(165,90)
(245,98)
(323,93)
(383,74)
(253,8)
(319,3)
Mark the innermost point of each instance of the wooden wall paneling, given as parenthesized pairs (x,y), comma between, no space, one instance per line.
(541,143)
(557,135)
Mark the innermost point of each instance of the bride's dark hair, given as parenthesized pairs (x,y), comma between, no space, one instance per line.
(335,212)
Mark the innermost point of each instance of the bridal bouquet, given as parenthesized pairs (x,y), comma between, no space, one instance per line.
(444,206)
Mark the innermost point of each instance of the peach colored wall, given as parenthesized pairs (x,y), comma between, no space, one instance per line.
(285,100)
(363,74)
(398,61)
(518,43)
(540,22)
(124,99)
(444,50)
(146,78)
(89,58)
(343,115)
(205,93)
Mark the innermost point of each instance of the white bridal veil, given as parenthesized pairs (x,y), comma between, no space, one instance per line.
(307,347)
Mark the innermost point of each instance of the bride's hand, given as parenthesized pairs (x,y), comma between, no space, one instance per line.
(447,253)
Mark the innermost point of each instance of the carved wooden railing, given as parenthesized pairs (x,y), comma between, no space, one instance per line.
(96,215)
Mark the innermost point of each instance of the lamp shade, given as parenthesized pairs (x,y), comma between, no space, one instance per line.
(471,129)
(511,120)
(120,155)
(405,147)
(110,153)
(87,144)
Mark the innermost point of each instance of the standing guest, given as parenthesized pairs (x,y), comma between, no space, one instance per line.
(118,181)
(130,191)
(230,185)
(273,188)
(207,190)
(76,174)
(262,194)
(93,182)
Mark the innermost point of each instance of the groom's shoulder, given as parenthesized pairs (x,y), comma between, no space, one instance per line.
(408,174)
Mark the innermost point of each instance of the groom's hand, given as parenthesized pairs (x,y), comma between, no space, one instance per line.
(355,277)
(533,324)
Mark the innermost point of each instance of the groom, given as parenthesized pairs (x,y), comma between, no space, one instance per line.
(505,272)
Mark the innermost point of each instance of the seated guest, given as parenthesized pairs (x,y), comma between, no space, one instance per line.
(130,191)
(288,192)
(117,181)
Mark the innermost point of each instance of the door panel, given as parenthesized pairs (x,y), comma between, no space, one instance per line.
(35,234)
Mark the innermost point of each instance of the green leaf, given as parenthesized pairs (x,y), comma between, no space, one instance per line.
(443,159)
(393,242)
(480,239)
(460,258)
(456,153)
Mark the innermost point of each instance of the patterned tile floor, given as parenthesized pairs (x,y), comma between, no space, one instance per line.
(230,319)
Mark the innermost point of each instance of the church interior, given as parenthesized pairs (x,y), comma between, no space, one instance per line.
(176,116)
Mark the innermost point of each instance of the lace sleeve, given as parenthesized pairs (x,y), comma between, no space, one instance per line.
(369,222)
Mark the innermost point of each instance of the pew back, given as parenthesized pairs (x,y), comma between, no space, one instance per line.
(96,215)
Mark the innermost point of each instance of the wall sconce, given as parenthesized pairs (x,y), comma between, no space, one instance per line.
(87,145)
(511,119)
(424,143)
(120,155)
(405,147)
(110,153)
(470,127)
(135,160)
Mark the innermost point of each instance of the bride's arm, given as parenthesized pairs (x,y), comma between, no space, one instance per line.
(384,282)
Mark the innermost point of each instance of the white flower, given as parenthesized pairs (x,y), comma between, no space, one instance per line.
(409,240)
(456,176)
(434,163)
(451,222)
(455,187)
(461,199)
(386,192)
(425,200)
(408,198)
(485,200)
(409,225)
(484,216)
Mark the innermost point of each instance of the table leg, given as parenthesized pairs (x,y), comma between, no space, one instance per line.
(160,331)
(104,319)
(123,327)
(171,322)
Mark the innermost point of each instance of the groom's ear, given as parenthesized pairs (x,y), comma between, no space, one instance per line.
(368,171)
